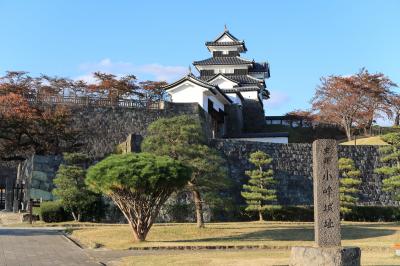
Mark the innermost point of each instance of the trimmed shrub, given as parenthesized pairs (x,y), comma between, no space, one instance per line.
(53,212)
(374,214)
(359,214)
(290,213)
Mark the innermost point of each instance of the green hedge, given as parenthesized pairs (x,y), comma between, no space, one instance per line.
(307,134)
(306,214)
(53,212)
(374,214)
(290,213)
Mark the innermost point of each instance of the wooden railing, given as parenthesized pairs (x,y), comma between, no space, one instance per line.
(97,101)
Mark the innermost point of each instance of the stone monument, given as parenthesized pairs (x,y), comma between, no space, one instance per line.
(327,249)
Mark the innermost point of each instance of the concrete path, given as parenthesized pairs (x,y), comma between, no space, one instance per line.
(42,246)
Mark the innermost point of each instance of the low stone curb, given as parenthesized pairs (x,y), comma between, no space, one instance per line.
(73,241)
(239,247)
(214,247)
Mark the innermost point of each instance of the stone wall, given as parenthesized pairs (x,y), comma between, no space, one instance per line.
(253,116)
(292,164)
(38,173)
(102,129)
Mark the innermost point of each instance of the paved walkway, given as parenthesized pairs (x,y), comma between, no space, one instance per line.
(44,246)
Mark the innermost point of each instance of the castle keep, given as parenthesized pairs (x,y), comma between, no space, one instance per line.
(230,88)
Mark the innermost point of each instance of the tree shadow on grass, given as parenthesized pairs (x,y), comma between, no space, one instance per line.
(294,234)
(362,232)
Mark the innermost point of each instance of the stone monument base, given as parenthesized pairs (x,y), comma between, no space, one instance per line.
(316,256)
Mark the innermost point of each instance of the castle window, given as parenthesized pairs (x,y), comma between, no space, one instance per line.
(241,71)
(217,53)
(206,72)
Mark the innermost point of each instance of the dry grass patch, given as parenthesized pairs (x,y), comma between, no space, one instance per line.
(243,258)
(366,141)
(236,258)
(278,235)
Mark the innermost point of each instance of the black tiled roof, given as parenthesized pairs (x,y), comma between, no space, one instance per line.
(242,79)
(247,88)
(235,60)
(259,67)
(235,41)
(224,43)
(226,32)
(200,82)
(242,88)
(245,79)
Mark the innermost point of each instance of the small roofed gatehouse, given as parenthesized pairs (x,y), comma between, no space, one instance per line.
(230,88)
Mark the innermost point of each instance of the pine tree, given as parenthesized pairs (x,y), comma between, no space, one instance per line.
(182,138)
(349,185)
(70,185)
(259,191)
(391,170)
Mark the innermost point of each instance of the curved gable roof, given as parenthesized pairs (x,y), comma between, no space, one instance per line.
(190,77)
(222,75)
(234,41)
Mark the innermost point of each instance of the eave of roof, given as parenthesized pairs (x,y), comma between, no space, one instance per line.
(230,35)
(222,75)
(240,95)
(226,60)
(192,78)
(204,84)
(259,67)
(242,80)
(239,89)
(240,44)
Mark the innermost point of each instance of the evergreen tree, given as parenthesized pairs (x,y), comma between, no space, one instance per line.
(391,170)
(182,138)
(349,185)
(139,184)
(258,192)
(70,185)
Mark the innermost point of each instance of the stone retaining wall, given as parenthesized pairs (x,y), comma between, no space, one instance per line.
(292,164)
(101,129)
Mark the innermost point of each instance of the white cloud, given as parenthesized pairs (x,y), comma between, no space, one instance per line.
(88,78)
(153,71)
(162,72)
(277,99)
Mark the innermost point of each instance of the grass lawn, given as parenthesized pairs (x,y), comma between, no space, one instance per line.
(273,234)
(366,141)
(245,258)
(375,239)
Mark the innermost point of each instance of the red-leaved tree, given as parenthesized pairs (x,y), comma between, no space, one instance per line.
(352,101)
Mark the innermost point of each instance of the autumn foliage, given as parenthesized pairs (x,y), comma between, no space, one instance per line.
(353,101)
(29,124)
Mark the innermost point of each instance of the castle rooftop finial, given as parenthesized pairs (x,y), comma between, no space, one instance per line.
(225,28)
(190,70)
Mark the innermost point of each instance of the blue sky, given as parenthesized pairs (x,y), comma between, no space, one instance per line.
(302,40)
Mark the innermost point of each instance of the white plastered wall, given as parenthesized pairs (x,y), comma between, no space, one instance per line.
(253,95)
(235,98)
(223,83)
(188,92)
